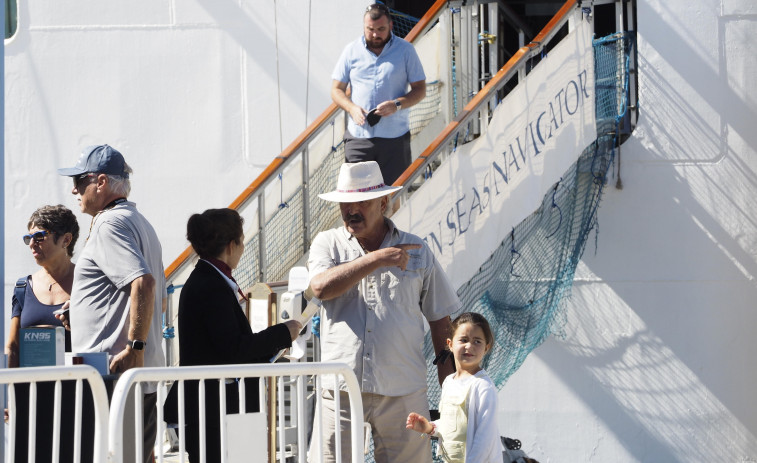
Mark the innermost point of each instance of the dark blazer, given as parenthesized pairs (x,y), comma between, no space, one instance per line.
(213,330)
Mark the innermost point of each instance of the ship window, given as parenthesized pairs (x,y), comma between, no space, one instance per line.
(11,18)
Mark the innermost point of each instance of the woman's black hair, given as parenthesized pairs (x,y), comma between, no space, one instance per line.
(210,232)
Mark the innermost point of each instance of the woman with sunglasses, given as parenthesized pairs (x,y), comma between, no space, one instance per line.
(52,234)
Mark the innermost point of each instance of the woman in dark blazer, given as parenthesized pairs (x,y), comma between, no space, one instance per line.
(213,329)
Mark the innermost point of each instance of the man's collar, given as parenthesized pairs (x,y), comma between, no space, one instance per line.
(392,228)
(110,205)
(114,203)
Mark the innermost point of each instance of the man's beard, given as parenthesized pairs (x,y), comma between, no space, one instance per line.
(378,43)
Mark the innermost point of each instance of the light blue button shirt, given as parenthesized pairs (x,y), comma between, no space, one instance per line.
(375,79)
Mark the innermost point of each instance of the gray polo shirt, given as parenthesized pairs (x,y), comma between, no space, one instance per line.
(377,326)
(121,247)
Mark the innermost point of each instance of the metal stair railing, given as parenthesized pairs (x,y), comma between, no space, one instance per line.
(259,201)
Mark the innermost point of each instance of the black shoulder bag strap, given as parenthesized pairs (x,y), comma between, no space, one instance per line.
(20,291)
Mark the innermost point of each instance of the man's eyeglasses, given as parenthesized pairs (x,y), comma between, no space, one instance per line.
(38,237)
(78,179)
(378,6)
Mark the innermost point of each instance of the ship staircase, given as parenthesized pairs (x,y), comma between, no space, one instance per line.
(477,55)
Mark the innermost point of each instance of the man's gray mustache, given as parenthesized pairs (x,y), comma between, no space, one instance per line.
(351,217)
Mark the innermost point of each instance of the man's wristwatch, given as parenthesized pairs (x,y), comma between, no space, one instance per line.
(136,344)
(398,104)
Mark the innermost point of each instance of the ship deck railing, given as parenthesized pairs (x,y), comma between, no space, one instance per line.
(272,422)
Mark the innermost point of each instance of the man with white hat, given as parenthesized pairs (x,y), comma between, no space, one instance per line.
(377,283)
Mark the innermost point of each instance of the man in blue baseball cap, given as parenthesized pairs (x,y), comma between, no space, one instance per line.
(119,283)
(102,159)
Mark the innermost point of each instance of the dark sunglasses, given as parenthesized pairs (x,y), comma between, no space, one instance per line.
(378,6)
(38,237)
(78,179)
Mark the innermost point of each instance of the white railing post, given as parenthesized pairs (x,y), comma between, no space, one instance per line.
(301,409)
(10,450)
(319,414)
(78,420)
(182,424)
(56,421)
(222,421)
(203,420)
(32,436)
(78,373)
(161,425)
(281,422)
(139,423)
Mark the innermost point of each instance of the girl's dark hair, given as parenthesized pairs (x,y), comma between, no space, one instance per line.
(475,319)
(58,220)
(213,230)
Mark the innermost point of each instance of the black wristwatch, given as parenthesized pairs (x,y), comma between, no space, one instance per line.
(398,104)
(136,344)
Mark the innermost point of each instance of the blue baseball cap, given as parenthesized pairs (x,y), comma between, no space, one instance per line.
(100,159)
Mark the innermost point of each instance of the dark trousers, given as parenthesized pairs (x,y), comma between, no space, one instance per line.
(212,414)
(150,424)
(391,154)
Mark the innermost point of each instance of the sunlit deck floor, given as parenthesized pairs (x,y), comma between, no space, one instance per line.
(170,456)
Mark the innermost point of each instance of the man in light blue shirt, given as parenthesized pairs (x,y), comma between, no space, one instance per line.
(379,67)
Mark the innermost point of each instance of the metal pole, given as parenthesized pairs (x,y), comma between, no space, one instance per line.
(168,316)
(262,261)
(2,213)
(306,200)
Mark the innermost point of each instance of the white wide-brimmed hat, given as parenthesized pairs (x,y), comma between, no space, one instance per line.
(359,181)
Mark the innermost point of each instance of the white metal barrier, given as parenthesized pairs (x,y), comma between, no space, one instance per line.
(12,377)
(136,377)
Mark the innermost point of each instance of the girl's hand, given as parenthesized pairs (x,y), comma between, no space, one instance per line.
(418,423)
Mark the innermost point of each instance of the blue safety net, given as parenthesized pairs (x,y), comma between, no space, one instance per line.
(521,288)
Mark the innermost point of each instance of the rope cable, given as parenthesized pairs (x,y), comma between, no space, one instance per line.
(278,74)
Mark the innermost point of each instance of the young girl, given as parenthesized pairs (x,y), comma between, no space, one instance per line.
(467,430)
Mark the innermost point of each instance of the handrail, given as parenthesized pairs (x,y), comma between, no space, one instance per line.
(499,79)
(426,21)
(271,171)
(137,376)
(70,373)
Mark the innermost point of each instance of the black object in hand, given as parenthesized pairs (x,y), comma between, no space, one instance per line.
(372,117)
(443,356)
